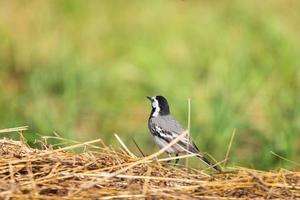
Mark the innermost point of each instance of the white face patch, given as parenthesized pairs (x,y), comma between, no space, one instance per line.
(156,107)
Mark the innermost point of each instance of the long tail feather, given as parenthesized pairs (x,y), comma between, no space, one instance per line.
(209,163)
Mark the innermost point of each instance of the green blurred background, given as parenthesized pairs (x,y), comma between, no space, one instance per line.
(83,69)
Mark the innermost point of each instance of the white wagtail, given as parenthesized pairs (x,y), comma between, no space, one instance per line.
(165,128)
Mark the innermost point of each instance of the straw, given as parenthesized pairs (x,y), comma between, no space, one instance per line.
(101,172)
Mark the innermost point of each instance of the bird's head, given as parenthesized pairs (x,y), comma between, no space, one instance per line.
(160,106)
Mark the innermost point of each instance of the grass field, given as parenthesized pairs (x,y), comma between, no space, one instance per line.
(83,70)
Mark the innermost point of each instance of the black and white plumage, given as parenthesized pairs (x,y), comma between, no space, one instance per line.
(165,128)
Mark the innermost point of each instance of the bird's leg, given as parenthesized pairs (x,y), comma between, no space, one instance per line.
(177,160)
(169,157)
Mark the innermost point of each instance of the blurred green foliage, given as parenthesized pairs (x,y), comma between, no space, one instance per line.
(83,69)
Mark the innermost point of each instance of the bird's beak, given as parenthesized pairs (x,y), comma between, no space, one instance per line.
(149,98)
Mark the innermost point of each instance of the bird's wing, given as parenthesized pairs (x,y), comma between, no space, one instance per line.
(167,128)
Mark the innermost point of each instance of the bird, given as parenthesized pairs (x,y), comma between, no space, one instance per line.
(165,128)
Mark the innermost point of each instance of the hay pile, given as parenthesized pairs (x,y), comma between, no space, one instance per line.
(100,172)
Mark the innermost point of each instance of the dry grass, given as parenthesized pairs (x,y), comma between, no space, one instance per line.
(100,172)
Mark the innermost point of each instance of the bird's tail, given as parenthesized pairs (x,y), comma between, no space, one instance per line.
(215,166)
